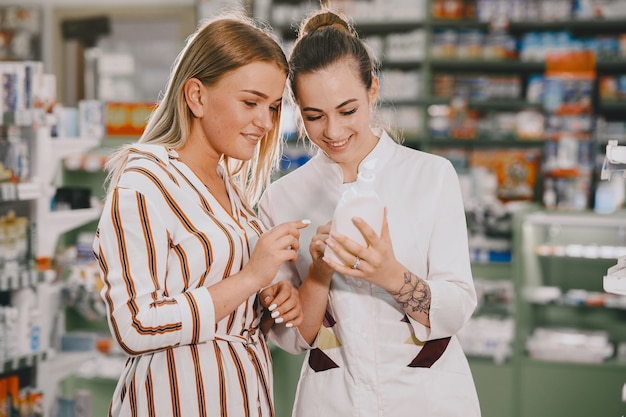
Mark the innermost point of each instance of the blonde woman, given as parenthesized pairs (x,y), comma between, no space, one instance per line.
(181,253)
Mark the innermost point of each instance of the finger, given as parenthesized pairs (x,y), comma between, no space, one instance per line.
(337,266)
(384,233)
(297,225)
(366,230)
(344,247)
(318,246)
(280,297)
(324,229)
(344,269)
(267,298)
(288,242)
(293,311)
(292,316)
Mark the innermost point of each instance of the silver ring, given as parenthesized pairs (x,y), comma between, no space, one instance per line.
(357,261)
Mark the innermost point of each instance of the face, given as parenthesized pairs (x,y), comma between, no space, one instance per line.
(335,108)
(239,109)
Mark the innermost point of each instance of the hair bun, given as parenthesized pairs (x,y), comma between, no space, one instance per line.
(325,19)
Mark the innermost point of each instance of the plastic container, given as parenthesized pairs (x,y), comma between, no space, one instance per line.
(359,200)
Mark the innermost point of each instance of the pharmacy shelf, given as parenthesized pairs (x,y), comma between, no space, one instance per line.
(614,160)
(20,278)
(58,223)
(56,368)
(51,151)
(509,66)
(484,143)
(52,224)
(23,361)
(577,26)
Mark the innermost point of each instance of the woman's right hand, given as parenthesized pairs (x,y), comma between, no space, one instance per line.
(320,270)
(282,305)
(275,246)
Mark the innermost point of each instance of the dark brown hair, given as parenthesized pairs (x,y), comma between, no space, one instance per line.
(326,38)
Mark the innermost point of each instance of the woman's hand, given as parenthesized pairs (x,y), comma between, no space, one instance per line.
(277,245)
(375,263)
(282,305)
(319,269)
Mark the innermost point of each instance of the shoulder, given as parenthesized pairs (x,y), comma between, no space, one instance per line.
(296,178)
(148,154)
(425,160)
(147,165)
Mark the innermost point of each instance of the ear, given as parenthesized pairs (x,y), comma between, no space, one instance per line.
(194,90)
(373,91)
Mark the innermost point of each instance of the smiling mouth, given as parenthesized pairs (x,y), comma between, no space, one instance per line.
(254,138)
(338,144)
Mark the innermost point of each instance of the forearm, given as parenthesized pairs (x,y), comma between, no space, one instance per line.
(413,295)
(228,294)
(313,299)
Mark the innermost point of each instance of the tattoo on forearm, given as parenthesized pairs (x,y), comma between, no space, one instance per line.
(414,295)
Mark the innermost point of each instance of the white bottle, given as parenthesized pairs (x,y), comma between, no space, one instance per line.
(359,200)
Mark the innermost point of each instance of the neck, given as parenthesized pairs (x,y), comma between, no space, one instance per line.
(350,169)
(203,164)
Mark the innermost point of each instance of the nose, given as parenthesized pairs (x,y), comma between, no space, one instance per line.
(265,119)
(333,128)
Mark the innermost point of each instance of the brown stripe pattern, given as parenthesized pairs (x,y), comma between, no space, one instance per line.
(161,241)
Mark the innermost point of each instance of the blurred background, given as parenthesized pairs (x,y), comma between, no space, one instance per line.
(527,98)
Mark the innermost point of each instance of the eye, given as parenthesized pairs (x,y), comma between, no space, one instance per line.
(250,103)
(349,112)
(312,118)
(274,109)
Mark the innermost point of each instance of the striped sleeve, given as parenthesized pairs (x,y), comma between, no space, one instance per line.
(132,246)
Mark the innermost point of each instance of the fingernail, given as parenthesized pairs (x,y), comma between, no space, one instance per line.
(272,307)
(278,320)
(306,221)
(290,324)
(267,297)
(275,314)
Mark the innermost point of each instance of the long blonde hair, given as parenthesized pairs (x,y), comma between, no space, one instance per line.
(220,45)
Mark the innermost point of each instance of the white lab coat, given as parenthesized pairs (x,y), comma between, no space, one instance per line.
(370,358)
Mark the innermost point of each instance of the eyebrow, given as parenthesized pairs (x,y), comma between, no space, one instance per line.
(262,95)
(336,107)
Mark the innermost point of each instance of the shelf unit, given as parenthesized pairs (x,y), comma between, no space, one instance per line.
(57,222)
(428,66)
(562,258)
(33,199)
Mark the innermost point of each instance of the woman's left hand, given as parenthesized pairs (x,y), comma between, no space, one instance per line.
(282,303)
(375,263)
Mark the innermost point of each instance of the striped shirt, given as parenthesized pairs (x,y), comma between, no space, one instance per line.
(161,241)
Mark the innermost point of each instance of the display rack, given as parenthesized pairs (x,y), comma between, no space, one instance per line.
(570,333)
(34,198)
(49,154)
(615,160)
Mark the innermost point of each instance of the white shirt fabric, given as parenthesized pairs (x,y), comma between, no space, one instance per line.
(365,359)
(161,241)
